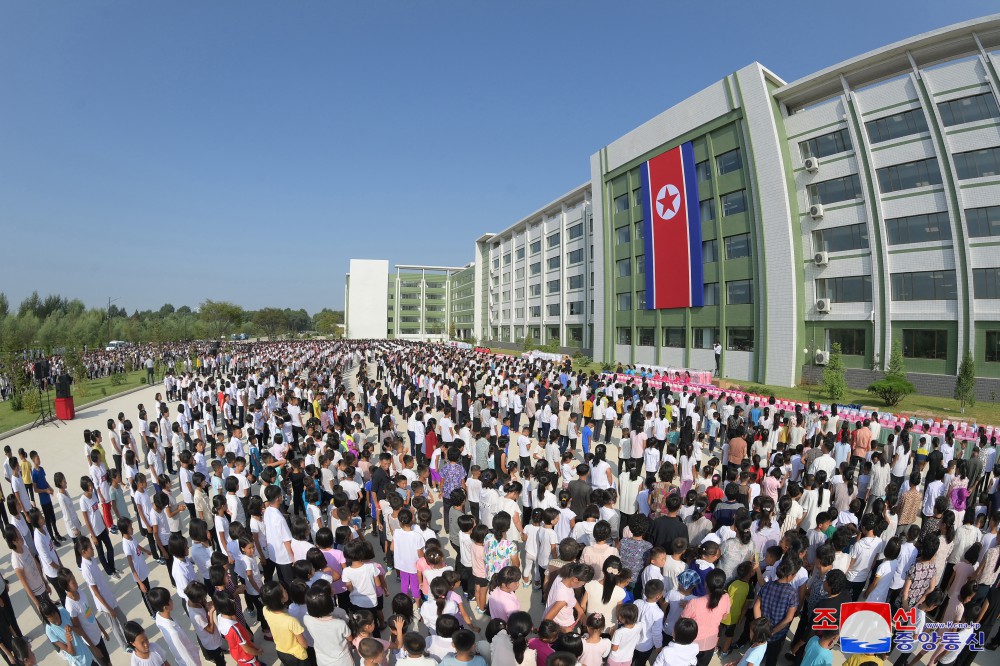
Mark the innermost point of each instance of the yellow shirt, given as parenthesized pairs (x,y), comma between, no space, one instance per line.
(26,472)
(588,409)
(284,629)
(738,592)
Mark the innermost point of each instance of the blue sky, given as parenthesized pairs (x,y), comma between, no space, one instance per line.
(246,150)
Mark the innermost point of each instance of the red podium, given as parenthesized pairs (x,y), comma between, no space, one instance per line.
(64,409)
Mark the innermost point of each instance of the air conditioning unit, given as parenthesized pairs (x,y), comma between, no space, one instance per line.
(821,258)
(823,305)
(822,357)
(811,164)
(816,211)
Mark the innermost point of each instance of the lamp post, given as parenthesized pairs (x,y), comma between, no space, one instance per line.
(110,301)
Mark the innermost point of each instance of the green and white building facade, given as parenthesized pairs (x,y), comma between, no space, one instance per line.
(859,205)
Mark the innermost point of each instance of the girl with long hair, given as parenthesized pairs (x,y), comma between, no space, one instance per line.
(510,645)
(708,612)
(765,530)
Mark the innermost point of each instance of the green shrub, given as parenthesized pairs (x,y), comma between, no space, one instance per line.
(17,402)
(118,379)
(30,401)
(892,390)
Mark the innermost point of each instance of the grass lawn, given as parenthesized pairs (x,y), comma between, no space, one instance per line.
(985,412)
(82,394)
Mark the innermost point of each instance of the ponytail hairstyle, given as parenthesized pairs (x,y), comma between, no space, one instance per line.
(505,576)
(849,480)
(743,532)
(358,619)
(518,627)
(766,512)
(501,523)
(542,482)
(784,506)
(633,471)
(612,568)
(820,486)
(564,499)
(715,583)
(439,589)
(513,487)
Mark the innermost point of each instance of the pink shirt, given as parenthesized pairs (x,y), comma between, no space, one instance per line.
(502,604)
(560,592)
(708,620)
(422,566)
(769,487)
(335,560)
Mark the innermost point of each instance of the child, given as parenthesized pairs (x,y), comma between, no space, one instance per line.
(681,650)
(144,653)
(463,563)
(625,637)
(677,598)
(372,652)
(136,560)
(654,570)
(475,488)
(531,545)
(739,591)
(547,538)
(408,547)
(117,494)
(248,568)
(361,577)
(479,581)
(596,647)
(437,604)
(238,637)
(178,642)
(464,642)
(818,649)
(289,635)
(439,644)
(651,616)
(760,633)
(203,619)
(548,633)
(413,646)
(84,620)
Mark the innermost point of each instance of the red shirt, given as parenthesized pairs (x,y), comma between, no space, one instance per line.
(430,443)
(237,637)
(715,493)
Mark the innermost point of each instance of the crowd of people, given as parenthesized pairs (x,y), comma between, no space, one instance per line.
(527,513)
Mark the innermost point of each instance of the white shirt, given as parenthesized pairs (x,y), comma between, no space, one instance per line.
(362,580)
(178,642)
(277,533)
(199,619)
(131,550)
(95,578)
(92,509)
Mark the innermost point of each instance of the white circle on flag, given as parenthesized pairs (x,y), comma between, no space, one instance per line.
(668,201)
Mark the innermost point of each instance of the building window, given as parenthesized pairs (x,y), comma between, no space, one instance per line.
(624,335)
(576,307)
(968,109)
(925,344)
(851,340)
(841,239)
(638,235)
(640,265)
(826,144)
(992,346)
(978,163)
(552,287)
(535,268)
(574,282)
(704,338)
(709,251)
(535,311)
(518,273)
(640,299)
(918,228)
(983,221)
(553,262)
(519,254)
(737,246)
(707,210)
(575,333)
(496,263)
(673,337)
(704,170)
(835,189)
(506,259)
(896,126)
(624,301)
(850,289)
(908,175)
(739,339)
(728,162)
(519,293)
(986,282)
(575,257)
(552,309)
(645,336)
(552,333)
(923,286)
(621,203)
(739,292)
(623,267)
(622,235)
(534,290)
(711,293)
(552,241)
(536,246)
(637,196)
(576,231)
(734,203)
(519,313)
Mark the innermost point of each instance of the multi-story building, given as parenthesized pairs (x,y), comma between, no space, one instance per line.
(857,206)
(539,275)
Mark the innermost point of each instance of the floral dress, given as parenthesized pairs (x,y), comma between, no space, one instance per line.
(497,554)
(633,555)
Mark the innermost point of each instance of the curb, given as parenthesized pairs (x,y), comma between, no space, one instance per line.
(25,428)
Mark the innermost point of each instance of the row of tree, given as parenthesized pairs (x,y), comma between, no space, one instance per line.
(55,321)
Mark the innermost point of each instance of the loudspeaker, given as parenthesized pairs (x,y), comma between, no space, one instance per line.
(42,369)
(62,386)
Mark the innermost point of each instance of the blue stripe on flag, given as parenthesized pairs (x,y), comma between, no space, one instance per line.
(647,228)
(694,226)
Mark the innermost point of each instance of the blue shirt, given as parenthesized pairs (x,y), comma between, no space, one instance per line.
(54,633)
(754,656)
(38,480)
(588,432)
(816,654)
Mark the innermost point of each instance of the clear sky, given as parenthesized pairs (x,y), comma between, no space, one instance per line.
(246,150)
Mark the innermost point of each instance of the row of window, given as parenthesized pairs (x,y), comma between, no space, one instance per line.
(737,338)
(920,173)
(917,343)
(915,286)
(905,123)
(738,292)
(923,228)
(727,162)
(733,203)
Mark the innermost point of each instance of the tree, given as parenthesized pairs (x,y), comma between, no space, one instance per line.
(328,321)
(271,321)
(834,381)
(965,384)
(894,386)
(4,305)
(221,317)
(167,309)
